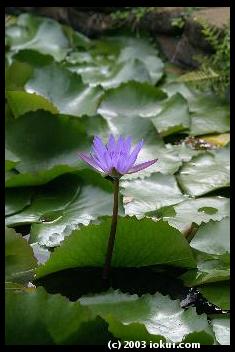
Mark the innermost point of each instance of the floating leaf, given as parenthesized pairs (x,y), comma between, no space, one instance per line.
(22,102)
(19,260)
(53,197)
(213,238)
(33,58)
(196,211)
(48,148)
(209,113)
(211,244)
(149,194)
(15,179)
(131,99)
(209,269)
(221,328)
(148,318)
(17,75)
(16,199)
(31,317)
(217,293)
(153,63)
(11,160)
(91,203)
(138,243)
(205,173)
(65,90)
(42,34)
(174,116)
(111,76)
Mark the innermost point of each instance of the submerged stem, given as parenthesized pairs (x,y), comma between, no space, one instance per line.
(108,259)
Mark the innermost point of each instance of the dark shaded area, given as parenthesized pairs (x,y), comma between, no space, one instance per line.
(73,283)
(24,230)
(222,192)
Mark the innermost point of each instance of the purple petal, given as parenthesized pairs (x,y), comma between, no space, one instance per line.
(127,145)
(89,161)
(111,144)
(134,154)
(108,160)
(142,166)
(120,167)
(99,146)
(120,145)
(101,152)
(99,162)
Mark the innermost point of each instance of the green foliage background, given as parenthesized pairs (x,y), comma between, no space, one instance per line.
(62,89)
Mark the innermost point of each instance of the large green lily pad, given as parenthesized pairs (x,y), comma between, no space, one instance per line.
(138,243)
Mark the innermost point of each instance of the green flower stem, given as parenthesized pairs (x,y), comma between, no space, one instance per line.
(109,253)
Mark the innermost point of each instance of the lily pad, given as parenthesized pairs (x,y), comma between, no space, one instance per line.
(22,102)
(221,328)
(205,173)
(211,245)
(153,63)
(213,237)
(46,145)
(132,99)
(11,160)
(200,210)
(54,196)
(209,269)
(16,199)
(149,194)
(209,113)
(91,203)
(39,33)
(134,70)
(109,75)
(217,293)
(17,74)
(15,179)
(19,260)
(174,116)
(65,90)
(35,313)
(87,246)
(148,318)
(33,58)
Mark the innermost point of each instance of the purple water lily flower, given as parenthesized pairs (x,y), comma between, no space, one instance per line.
(115,158)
